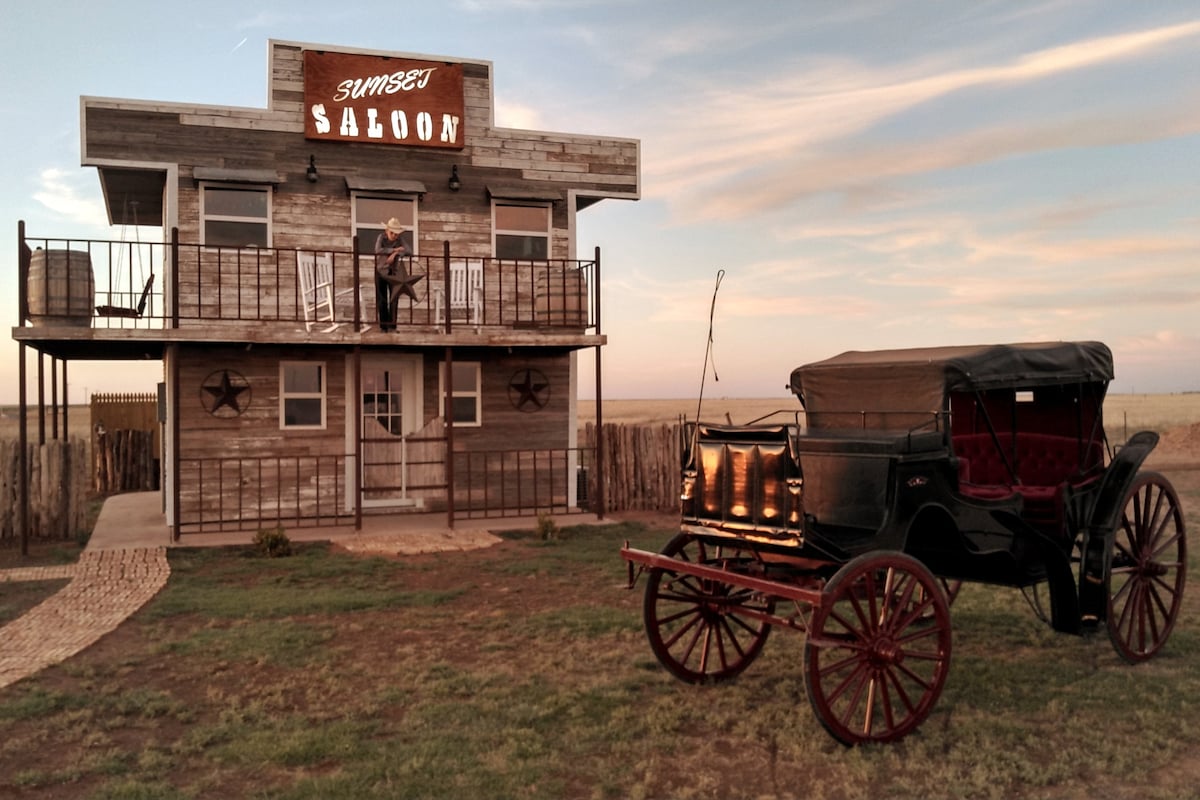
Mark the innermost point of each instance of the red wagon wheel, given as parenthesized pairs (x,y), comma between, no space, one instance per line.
(878,652)
(1149,564)
(699,628)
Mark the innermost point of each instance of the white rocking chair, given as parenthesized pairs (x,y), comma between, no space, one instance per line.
(317,293)
(466,291)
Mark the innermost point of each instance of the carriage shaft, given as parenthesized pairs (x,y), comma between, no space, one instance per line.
(786,591)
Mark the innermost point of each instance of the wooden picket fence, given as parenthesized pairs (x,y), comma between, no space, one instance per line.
(641,466)
(58,489)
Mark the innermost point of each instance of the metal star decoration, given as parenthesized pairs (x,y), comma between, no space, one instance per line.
(529,390)
(223,389)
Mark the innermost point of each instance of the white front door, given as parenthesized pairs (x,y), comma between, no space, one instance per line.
(391,411)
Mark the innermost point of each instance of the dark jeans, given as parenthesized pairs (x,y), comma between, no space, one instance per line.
(390,284)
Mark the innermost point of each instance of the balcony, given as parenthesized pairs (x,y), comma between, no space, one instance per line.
(106,291)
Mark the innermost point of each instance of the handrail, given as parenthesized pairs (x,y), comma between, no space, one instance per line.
(214,286)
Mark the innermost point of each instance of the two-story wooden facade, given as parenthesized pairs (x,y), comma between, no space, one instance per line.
(284,399)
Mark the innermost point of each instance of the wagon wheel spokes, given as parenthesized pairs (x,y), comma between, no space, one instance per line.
(703,630)
(1147,569)
(876,678)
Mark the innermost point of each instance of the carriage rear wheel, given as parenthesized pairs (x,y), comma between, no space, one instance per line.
(1148,567)
(704,631)
(878,651)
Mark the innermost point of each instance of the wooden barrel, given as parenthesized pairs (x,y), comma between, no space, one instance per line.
(61,288)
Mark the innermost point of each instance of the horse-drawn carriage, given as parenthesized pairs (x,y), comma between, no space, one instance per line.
(913,470)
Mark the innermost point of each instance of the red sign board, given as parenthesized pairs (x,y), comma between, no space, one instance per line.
(360,98)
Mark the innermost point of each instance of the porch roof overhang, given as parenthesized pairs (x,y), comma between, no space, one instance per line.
(137,344)
(71,344)
(355,183)
(133,196)
(261,177)
(524,193)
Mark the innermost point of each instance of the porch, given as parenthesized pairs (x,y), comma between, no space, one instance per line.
(118,301)
(189,288)
(136,520)
(219,496)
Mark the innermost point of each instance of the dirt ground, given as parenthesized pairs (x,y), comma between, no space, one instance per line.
(1179,445)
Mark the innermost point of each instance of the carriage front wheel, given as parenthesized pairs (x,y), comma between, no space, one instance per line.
(1148,566)
(704,630)
(878,650)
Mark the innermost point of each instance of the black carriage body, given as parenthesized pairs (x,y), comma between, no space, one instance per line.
(984,462)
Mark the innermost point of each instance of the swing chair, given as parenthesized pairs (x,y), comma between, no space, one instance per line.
(126,312)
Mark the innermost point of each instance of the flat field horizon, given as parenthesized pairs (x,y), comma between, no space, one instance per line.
(1122,412)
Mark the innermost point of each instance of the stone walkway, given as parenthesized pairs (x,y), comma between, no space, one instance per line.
(110,584)
(125,564)
(106,587)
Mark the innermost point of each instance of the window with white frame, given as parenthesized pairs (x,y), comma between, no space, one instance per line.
(521,230)
(301,395)
(372,212)
(466,392)
(235,216)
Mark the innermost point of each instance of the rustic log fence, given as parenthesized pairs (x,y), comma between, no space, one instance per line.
(125,442)
(641,473)
(58,489)
(641,466)
(125,462)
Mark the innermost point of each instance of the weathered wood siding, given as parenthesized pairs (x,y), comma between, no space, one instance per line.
(516,460)
(221,288)
(504,427)
(245,467)
(308,215)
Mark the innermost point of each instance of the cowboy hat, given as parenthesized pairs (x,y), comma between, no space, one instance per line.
(394,225)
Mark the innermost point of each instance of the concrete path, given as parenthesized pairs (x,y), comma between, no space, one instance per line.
(125,564)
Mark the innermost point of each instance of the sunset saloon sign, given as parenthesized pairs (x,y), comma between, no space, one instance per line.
(359,98)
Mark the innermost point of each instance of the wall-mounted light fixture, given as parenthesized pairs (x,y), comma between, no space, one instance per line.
(455,184)
(313,175)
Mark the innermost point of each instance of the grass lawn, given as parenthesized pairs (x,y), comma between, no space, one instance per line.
(522,671)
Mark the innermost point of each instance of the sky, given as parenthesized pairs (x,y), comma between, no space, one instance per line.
(867,175)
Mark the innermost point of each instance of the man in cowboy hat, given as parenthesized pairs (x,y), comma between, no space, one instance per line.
(391,278)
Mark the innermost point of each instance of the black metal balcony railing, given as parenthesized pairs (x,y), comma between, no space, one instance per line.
(503,483)
(244,492)
(111,284)
(236,493)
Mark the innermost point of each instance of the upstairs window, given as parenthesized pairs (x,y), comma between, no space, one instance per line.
(371,213)
(522,230)
(235,216)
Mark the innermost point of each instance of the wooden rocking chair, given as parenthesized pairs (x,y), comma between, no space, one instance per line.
(466,291)
(317,292)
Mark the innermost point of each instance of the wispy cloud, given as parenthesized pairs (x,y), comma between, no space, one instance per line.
(517,115)
(59,193)
(264,20)
(784,138)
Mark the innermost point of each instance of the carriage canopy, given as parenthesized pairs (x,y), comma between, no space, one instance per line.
(919,380)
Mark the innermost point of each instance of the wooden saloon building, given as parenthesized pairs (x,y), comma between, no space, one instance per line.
(284,400)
